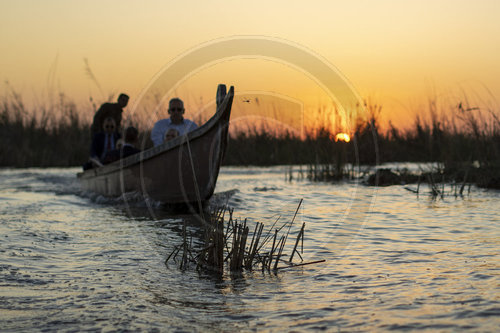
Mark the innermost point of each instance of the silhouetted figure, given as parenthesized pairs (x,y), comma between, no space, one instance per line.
(176,121)
(113,110)
(127,148)
(131,136)
(171,134)
(102,143)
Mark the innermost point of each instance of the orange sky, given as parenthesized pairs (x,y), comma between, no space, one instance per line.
(396,53)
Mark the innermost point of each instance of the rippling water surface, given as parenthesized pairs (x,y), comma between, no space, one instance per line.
(74,261)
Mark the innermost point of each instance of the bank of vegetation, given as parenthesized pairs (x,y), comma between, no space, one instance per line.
(465,140)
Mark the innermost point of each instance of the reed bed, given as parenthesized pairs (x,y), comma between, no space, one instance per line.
(230,246)
(464,139)
(39,138)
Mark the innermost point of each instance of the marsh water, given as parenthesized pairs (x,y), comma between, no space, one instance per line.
(75,261)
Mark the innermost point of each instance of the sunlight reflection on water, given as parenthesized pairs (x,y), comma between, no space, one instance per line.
(393,261)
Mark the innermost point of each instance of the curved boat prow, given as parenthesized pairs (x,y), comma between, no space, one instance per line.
(221,94)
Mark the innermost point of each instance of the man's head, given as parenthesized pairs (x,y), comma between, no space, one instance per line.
(176,110)
(171,133)
(109,125)
(123,100)
(131,134)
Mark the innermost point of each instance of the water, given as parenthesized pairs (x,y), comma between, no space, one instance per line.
(73,261)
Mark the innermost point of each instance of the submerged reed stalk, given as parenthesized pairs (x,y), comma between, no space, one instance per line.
(225,245)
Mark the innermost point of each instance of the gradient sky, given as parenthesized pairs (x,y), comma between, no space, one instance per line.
(395,53)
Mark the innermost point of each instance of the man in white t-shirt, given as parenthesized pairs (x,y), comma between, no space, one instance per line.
(176,121)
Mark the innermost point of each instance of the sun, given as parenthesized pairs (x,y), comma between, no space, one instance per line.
(342,137)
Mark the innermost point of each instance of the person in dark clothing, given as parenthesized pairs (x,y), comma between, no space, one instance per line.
(131,136)
(102,143)
(113,110)
(127,149)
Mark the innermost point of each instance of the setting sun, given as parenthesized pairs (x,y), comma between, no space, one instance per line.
(342,137)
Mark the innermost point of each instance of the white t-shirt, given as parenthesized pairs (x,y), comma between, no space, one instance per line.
(162,126)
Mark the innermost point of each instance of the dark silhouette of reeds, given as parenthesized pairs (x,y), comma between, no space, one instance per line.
(40,138)
(465,142)
(464,139)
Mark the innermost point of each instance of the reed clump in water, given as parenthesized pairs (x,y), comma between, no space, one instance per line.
(229,245)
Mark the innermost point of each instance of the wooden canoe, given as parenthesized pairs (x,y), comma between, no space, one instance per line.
(182,170)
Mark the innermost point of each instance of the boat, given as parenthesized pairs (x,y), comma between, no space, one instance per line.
(183,170)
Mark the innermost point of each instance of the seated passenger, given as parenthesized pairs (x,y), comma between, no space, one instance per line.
(119,144)
(127,148)
(102,143)
(171,134)
(176,121)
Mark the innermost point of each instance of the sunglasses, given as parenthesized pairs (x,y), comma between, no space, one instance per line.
(109,127)
(176,109)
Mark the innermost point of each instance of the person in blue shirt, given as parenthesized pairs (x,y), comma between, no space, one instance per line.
(176,121)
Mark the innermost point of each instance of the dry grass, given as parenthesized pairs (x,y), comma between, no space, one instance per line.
(230,246)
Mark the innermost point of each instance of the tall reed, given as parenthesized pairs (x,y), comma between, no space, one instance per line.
(459,136)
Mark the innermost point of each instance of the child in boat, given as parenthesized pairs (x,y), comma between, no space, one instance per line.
(171,133)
